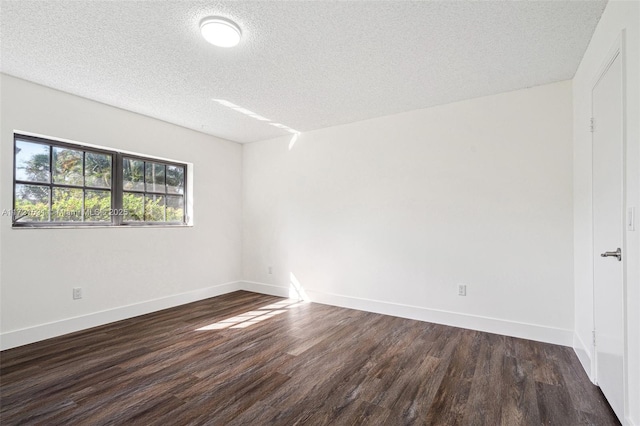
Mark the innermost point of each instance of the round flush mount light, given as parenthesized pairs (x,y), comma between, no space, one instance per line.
(220,31)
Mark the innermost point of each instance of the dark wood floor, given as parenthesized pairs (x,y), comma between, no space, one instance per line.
(263,360)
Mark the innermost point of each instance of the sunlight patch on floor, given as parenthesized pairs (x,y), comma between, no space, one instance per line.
(250,318)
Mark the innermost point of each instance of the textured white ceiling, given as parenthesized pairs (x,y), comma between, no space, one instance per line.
(304,64)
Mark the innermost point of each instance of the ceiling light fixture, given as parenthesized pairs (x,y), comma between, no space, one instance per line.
(220,31)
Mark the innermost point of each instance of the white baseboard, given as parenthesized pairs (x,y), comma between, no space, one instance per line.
(540,333)
(584,356)
(25,336)
(272,290)
(536,332)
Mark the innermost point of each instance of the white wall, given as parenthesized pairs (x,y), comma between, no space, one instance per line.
(390,214)
(617,16)
(149,268)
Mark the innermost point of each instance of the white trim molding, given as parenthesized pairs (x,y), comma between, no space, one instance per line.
(536,332)
(583,352)
(558,336)
(270,289)
(12,339)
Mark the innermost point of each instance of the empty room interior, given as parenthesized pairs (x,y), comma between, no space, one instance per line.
(320,212)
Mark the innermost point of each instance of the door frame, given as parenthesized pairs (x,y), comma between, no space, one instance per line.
(615,51)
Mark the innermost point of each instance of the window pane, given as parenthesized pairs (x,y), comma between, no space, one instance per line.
(154,208)
(32,162)
(32,203)
(154,177)
(97,170)
(175,208)
(67,205)
(175,180)
(133,206)
(97,205)
(133,174)
(67,166)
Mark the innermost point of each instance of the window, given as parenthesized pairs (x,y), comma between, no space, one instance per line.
(152,191)
(58,183)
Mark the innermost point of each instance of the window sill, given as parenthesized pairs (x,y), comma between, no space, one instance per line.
(98,226)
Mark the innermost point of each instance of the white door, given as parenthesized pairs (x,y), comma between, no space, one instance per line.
(608,228)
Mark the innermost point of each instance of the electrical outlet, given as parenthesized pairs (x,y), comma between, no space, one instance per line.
(77,293)
(462,289)
(270,270)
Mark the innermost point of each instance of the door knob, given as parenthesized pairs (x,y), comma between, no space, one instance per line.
(617,253)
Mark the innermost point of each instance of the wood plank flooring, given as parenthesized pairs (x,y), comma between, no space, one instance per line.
(262,360)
